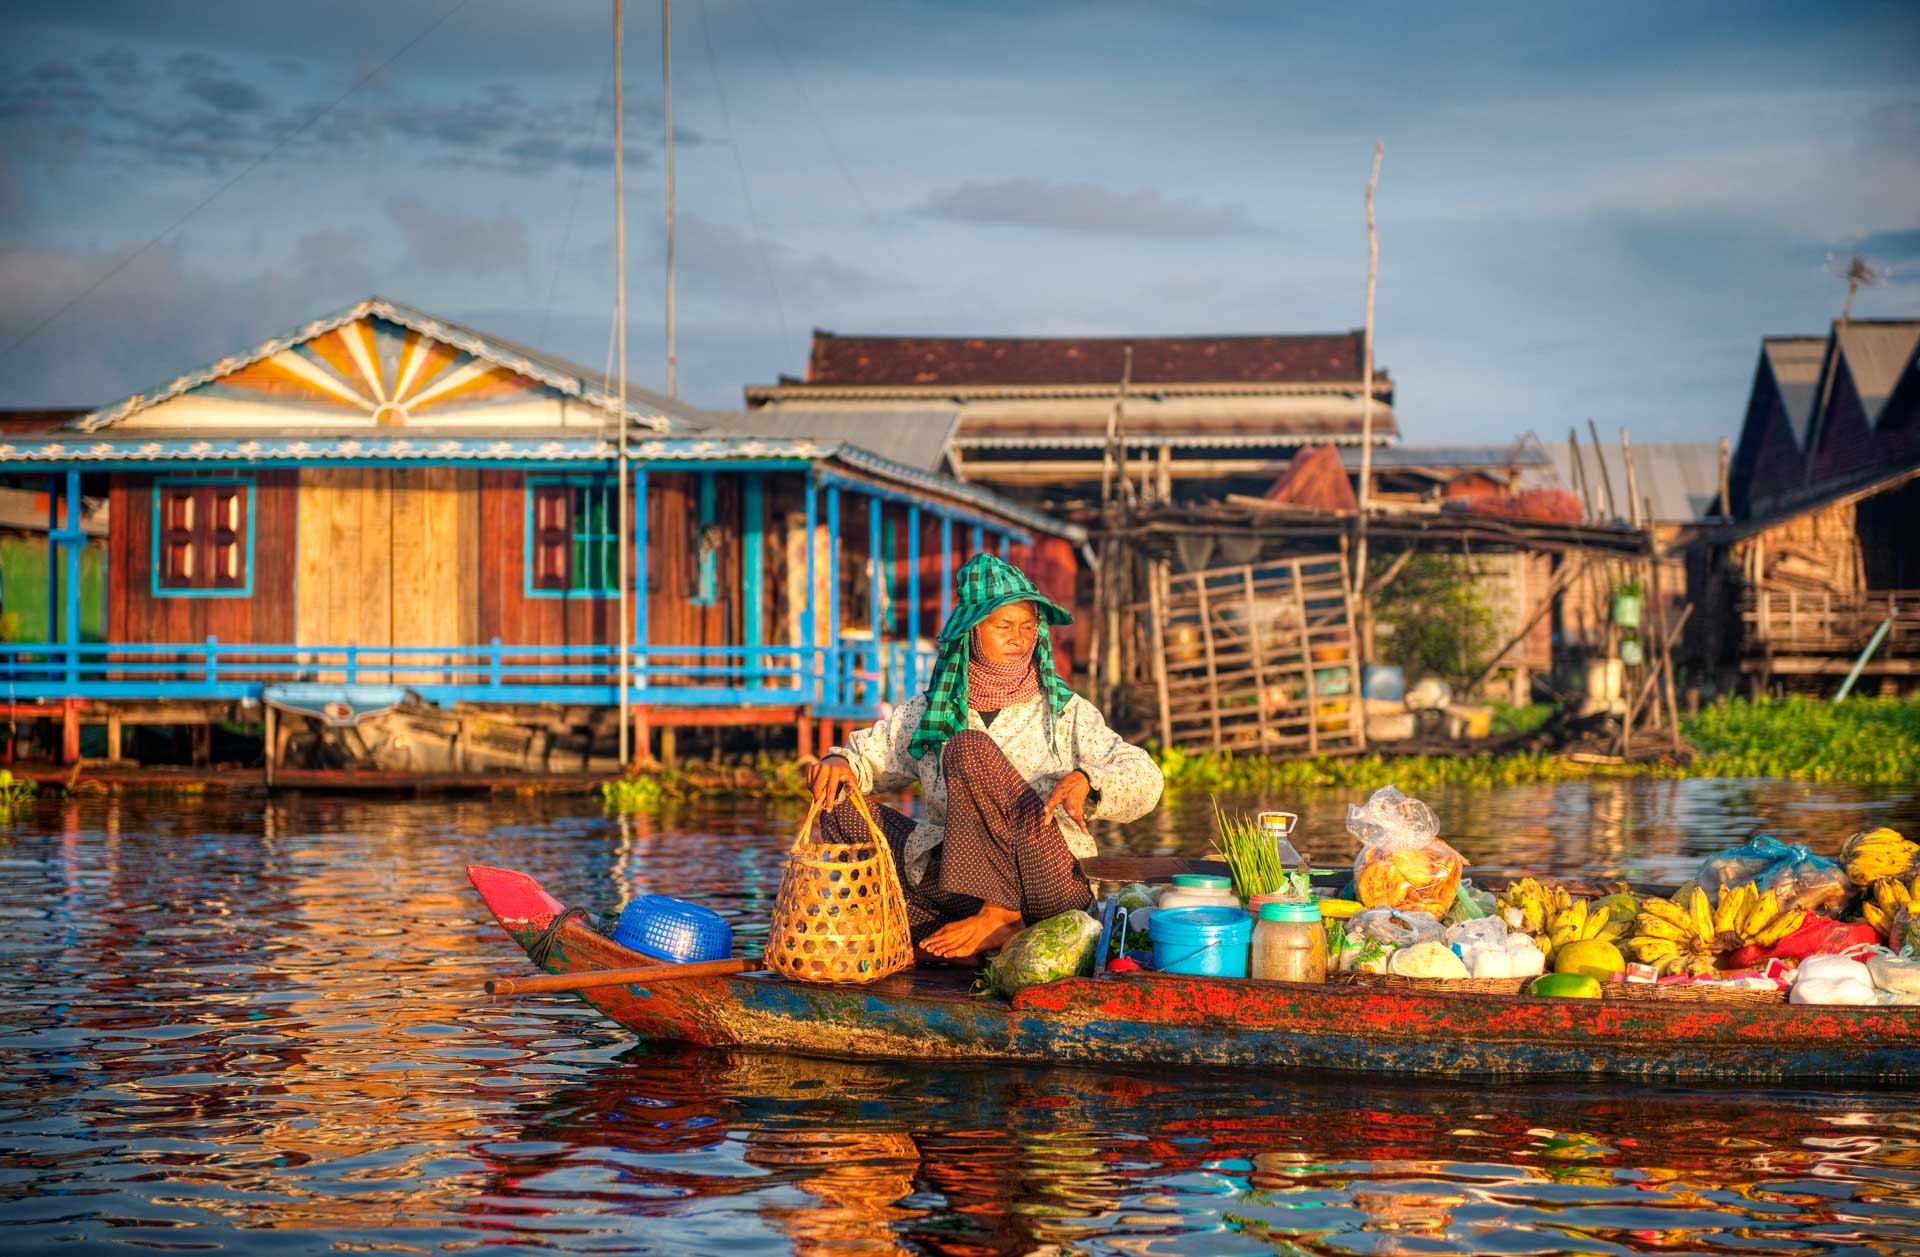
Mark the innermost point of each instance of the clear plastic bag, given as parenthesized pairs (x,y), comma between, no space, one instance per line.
(1801,880)
(1402,862)
(1058,947)
(1481,932)
(1401,929)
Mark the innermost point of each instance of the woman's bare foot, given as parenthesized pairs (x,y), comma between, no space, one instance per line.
(977,935)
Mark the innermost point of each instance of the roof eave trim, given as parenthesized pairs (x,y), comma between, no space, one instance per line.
(413,320)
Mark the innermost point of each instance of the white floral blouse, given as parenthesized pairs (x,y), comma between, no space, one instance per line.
(1126,779)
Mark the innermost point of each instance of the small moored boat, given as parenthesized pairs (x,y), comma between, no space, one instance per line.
(1165,1019)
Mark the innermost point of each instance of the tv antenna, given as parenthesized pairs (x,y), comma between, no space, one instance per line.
(1859,273)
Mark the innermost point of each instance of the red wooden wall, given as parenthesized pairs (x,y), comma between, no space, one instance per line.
(134,614)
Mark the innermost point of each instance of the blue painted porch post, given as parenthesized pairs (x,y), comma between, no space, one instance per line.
(75,540)
(752,577)
(1006,542)
(833,593)
(946,569)
(876,579)
(808,622)
(638,678)
(979,541)
(913,600)
(53,568)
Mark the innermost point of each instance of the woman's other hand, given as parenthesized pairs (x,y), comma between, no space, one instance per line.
(826,779)
(1071,792)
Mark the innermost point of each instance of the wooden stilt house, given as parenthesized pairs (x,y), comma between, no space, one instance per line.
(385,510)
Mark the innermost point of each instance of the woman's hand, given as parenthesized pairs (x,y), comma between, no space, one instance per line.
(827,777)
(1071,792)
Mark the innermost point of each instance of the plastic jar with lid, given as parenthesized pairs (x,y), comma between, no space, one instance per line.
(1199,890)
(1289,943)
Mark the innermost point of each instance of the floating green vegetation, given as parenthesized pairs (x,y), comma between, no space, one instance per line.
(627,795)
(1869,741)
(15,792)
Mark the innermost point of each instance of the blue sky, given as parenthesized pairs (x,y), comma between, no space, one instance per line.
(1585,211)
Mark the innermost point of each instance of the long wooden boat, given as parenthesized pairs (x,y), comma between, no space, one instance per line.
(1165,1019)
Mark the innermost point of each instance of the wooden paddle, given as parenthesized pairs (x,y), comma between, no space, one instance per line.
(643,974)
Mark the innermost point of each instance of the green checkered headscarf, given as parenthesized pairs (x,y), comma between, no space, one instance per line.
(984,585)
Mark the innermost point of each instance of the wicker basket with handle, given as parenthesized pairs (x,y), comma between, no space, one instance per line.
(840,916)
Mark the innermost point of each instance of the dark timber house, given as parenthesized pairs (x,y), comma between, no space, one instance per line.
(1825,485)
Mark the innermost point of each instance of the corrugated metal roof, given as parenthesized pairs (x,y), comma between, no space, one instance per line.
(921,360)
(1398,457)
(914,438)
(1681,478)
(1795,362)
(1877,355)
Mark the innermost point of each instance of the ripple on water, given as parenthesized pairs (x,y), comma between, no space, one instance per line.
(255,1027)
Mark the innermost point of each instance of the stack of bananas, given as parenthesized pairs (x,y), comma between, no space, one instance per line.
(1875,855)
(1556,918)
(1690,936)
(1886,897)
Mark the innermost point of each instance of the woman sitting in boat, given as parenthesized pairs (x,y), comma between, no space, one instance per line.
(1012,764)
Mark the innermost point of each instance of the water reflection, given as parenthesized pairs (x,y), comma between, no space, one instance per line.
(252,1026)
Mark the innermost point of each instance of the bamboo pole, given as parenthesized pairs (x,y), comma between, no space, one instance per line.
(1634,515)
(1156,631)
(623,508)
(1366,421)
(1606,477)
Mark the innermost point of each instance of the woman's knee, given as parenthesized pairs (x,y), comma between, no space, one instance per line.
(967,747)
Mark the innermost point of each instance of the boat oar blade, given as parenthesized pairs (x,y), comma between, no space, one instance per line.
(647,974)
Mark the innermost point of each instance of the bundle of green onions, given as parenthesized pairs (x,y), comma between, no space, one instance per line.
(1253,858)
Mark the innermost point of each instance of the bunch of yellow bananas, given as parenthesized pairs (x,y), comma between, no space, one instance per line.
(1885,899)
(1875,855)
(1690,936)
(1527,904)
(1578,921)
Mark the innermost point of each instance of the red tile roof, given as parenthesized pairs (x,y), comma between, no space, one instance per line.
(961,361)
(32,421)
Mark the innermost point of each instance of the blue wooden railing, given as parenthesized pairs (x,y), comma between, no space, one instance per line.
(849,681)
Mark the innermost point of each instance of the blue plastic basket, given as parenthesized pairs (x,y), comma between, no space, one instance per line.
(673,930)
(1211,941)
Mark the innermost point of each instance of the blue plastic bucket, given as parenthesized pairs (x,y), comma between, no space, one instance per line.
(1386,682)
(1209,941)
(673,930)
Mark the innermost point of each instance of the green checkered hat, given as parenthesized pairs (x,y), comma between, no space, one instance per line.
(984,585)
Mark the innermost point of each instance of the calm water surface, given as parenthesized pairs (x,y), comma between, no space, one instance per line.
(258,1028)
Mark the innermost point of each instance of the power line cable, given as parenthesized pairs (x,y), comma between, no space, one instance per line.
(566,238)
(746,191)
(833,149)
(366,76)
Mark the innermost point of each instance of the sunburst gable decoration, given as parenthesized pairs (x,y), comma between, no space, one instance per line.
(368,370)
(382,364)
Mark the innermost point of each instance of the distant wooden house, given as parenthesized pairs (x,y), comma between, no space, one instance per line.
(1030,416)
(1825,487)
(388,509)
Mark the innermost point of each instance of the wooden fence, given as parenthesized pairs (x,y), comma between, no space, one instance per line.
(1259,657)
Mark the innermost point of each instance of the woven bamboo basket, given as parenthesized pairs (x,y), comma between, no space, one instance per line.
(1685,993)
(840,917)
(1437,986)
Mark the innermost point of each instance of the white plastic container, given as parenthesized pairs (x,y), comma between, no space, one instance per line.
(1199,890)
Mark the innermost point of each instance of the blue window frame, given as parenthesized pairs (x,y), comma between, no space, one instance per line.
(706,544)
(572,537)
(203,538)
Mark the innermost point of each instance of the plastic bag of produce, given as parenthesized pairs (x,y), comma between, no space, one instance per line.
(1904,937)
(1832,980)
(1800,879)
(1817,935)
(1427,960)
(1895,973)
(1058,947)
(1483,932)
(1400,929)
(1135,895)
(1402,862)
